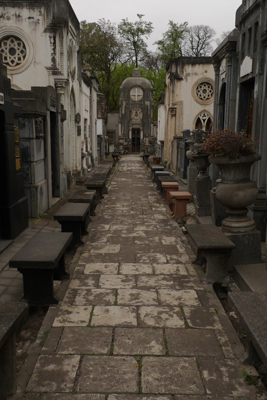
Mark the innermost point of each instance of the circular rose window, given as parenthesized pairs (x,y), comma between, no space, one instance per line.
(13,51)
(203,91)
(16,49)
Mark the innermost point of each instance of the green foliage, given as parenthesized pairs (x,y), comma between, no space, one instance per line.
(250,380)
(134,33)
(170,46)
(101,50)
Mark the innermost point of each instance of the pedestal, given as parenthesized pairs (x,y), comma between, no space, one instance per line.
(203,187)
(248,248)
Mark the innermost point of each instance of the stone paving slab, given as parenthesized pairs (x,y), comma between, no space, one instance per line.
(171,376)
(108,374)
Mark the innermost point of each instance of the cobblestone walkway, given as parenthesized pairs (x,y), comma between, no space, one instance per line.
(137,322)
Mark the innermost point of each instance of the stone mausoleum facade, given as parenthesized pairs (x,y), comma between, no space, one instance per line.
(189,97)
(136,111)
(240,100)
(39,44)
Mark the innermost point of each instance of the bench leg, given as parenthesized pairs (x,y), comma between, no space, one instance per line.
(8,371)
(76,228)
(38,287)
(61,272)
(217,270)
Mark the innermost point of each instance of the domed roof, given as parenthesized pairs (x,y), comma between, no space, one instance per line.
(136,79)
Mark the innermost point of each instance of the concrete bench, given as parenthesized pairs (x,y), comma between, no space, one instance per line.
(74,217)
(85,196)
(99,185)
(168,187)
(179,201)
(212,244)
(40,261)
(12,317)
(251,309)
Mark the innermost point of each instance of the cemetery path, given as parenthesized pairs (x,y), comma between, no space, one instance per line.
(137,321)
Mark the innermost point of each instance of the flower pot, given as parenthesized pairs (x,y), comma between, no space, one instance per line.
(236,191)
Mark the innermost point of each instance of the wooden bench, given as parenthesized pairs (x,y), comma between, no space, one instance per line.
(169,178)
(179,201)
(212,244)
(251,309)
(40,261)
(74,217)
(168,187)
(85,196)
(12,317)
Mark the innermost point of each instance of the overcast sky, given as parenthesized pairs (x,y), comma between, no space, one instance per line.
(219,15)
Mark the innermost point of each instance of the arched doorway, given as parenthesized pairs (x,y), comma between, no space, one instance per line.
(136,140)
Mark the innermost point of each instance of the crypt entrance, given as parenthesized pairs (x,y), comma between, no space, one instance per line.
(136,140)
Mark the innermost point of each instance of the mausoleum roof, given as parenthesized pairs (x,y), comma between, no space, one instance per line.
(136,79)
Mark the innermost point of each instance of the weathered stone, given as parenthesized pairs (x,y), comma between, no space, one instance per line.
(171,376)
(114,316)
(86,297)
(178,297)
(108,374)
(170,317)
(91,340)
(73,316)
(48,377)
(137,297)
(130,341)
(192,342)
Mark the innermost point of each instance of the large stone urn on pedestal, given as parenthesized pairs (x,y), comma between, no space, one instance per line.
(236,192)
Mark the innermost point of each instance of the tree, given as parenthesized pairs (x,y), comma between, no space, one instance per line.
(102,50)
(170,46)
(134,33)
(198,41)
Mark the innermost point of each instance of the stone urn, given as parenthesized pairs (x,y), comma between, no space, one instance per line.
(202,163)
(236,191)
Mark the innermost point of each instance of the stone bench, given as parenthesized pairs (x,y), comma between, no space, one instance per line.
(169,178)
(98,184)
(85,196)
(74,217)
(155,168)
(168,187)
(12,317)
(40,261)
(212,244)
(251,309)
(115,157)
(157,174)
(179,201)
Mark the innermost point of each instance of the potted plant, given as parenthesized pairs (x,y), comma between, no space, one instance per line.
(234,153)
